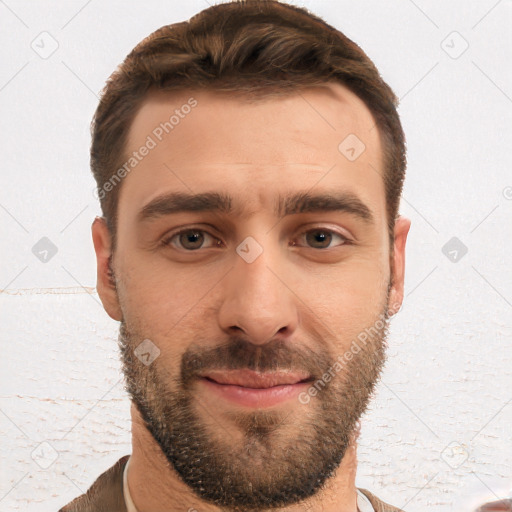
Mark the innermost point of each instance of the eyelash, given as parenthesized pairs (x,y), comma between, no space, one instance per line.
(345,240)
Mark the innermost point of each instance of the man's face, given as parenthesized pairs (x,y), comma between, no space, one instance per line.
(250,306)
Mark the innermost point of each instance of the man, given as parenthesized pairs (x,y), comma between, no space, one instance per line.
(249,166)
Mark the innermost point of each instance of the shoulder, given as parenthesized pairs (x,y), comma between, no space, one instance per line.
(105,494)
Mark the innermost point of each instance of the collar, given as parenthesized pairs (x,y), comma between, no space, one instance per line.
(130,507)
(363,503)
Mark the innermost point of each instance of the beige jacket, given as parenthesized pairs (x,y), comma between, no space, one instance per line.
(106,494)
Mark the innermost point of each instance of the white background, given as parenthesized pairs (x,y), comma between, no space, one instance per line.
(448,378)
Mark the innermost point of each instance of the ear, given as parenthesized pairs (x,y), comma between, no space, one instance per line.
(396,294)
(105,283)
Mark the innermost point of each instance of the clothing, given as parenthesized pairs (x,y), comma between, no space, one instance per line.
(363,503)
(109,493)
(130,506)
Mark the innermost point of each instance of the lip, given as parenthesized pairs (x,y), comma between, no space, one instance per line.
(256,380)
(252,389)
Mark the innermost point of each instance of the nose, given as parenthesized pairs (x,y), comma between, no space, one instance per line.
(258,304)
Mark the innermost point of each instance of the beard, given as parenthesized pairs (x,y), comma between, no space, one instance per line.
(262,459)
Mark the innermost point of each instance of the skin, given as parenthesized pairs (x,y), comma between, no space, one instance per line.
(311,298)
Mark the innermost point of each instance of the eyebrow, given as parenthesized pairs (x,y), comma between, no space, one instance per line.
(301,202)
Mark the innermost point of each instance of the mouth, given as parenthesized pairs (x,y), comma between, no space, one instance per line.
(253,389)
(256,380)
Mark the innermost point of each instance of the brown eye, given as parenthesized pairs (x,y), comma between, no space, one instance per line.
(190,239)
(321,238)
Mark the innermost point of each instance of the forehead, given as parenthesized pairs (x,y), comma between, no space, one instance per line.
(320,137)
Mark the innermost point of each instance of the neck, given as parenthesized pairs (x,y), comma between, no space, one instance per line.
(155,486)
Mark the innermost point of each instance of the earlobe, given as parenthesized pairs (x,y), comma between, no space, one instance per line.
(401,230)
(105,280)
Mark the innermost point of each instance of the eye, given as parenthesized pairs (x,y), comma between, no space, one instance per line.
(190,239)
(321,238)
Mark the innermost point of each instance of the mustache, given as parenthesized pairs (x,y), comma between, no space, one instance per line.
(238,354)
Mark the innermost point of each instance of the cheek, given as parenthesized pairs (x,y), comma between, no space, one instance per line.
(158,301)
(350,302)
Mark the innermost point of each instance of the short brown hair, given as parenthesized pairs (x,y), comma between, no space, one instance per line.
(249,46)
